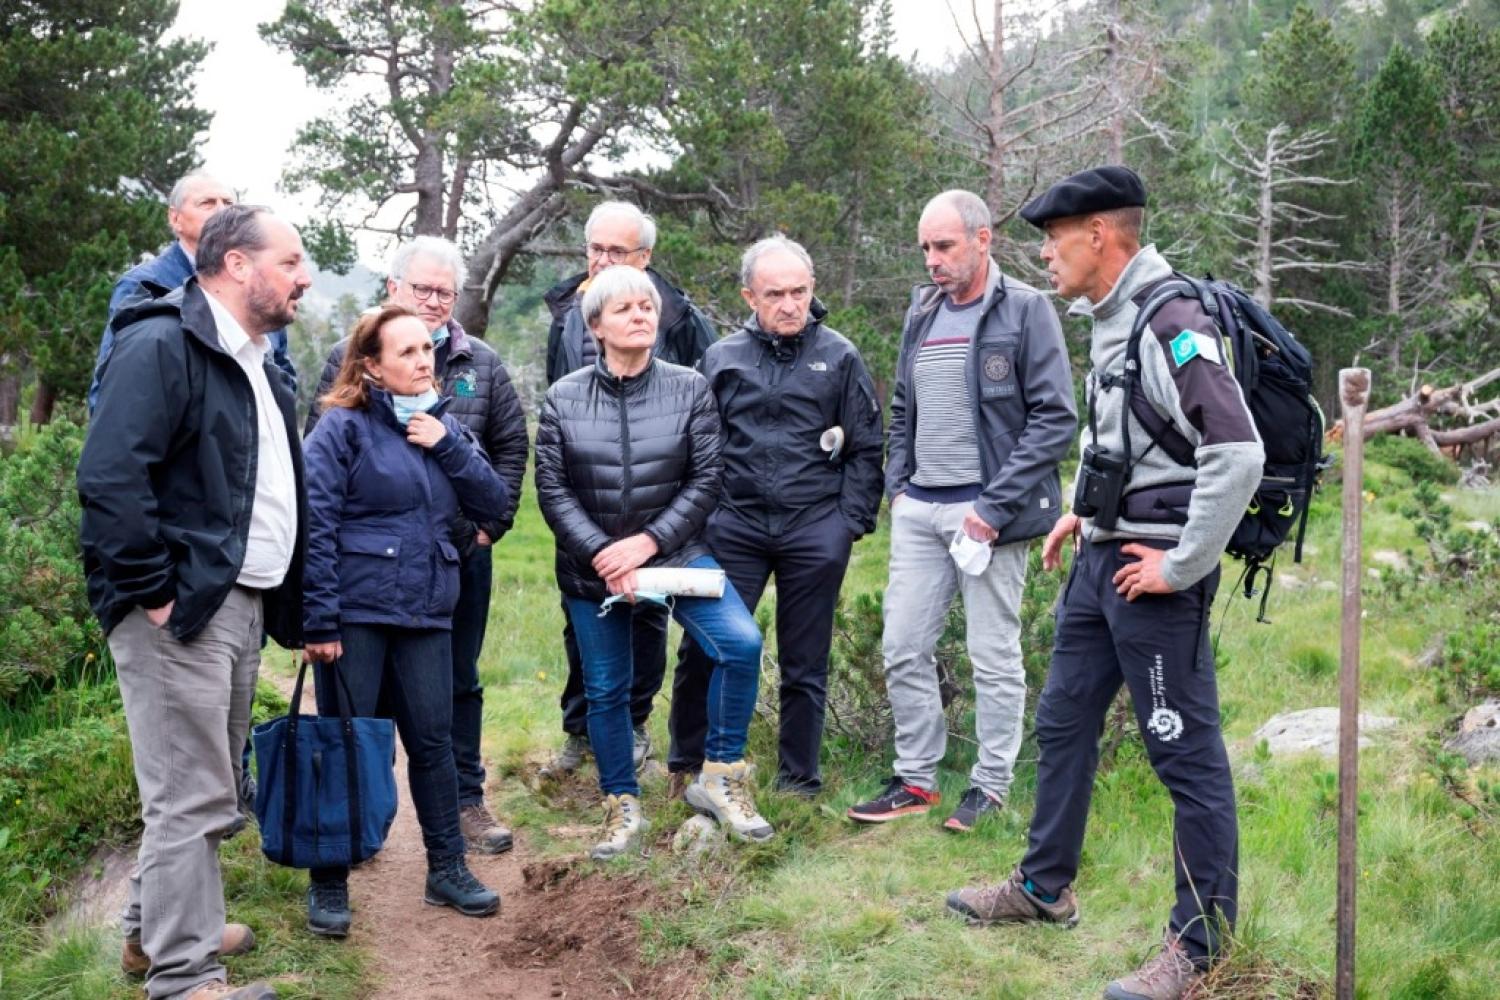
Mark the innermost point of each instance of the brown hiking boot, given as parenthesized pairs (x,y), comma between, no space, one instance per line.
(236,940)
(1167,975)
(481,831)
(1010,903)
(215,990)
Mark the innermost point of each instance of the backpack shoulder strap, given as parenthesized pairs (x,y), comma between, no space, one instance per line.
(1163,435)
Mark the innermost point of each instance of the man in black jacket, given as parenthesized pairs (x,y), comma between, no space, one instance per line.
(424,276)
(617,232)
(192,536)
(802,482)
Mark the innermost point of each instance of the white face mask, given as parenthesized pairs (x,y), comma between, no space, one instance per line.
(407,406)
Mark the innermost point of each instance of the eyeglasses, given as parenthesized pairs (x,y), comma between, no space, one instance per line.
(445,296)
(615,255)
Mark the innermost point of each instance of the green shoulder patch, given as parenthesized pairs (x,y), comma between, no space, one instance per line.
(1190,344)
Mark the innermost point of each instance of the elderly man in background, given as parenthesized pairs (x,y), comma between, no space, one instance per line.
(193,201)
(802,482)
(618,233)
(424,276)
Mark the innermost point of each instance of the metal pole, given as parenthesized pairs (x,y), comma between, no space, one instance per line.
(1354,394)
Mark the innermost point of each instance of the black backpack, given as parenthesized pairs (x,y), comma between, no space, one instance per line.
(1274,372)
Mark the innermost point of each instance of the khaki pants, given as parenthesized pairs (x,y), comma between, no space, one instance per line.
(188,709)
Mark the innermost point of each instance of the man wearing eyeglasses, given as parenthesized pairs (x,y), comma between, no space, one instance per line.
(424,277)
(619,233)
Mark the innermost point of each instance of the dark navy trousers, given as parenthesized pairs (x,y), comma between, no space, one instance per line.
(470,617)
(1158,647)
(809,563)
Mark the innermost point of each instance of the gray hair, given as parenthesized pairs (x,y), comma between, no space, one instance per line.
(971,209)
(613,283)
(624,209)
(771,244)
(235,227)
(179,191)
(434,247)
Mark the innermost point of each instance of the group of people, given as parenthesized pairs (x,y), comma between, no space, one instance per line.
(209,526)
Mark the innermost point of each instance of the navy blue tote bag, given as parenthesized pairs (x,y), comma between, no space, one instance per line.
(327,786)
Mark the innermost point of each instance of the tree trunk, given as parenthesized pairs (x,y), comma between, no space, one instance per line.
(1263,224)
(994,161)
(1114,70)
(489,262)
(1393,279)
(851,258)
(43,402)
(10,399)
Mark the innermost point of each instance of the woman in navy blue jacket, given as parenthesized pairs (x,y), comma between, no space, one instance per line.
(388,472)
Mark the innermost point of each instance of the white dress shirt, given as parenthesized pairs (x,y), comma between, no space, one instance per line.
(273,515)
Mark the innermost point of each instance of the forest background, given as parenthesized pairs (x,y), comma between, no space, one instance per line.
(1339,160)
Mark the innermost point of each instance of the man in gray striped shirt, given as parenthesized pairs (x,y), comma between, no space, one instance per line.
(981,415)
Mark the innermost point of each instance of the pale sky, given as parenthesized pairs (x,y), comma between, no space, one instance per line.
(259,98)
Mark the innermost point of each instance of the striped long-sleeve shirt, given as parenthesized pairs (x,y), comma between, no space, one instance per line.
(947,452)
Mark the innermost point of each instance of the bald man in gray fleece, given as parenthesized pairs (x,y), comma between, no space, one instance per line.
(1135,608)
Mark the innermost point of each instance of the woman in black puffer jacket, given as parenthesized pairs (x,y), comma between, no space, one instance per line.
(627,472)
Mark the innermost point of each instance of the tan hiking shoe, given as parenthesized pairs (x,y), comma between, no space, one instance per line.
(623,826)
(481,831)
(236,940)
(1167,975)
(723,792)
(216,990)
(1009,903)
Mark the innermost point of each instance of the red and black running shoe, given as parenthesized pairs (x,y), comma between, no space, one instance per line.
(899,799)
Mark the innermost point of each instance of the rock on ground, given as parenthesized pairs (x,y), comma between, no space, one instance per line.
(1315,730)
(1478,738)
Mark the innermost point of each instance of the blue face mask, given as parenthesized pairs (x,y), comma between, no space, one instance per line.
(406,406)
(440,336)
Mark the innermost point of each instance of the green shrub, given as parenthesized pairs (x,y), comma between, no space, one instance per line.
(63,792)
(1469,670)
(47,631)
(1413,458)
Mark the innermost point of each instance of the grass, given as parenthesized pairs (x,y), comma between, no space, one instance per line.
(830,910)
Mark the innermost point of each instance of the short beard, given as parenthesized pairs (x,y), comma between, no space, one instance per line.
(268,312)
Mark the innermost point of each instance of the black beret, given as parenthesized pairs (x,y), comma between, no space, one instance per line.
(1097,190)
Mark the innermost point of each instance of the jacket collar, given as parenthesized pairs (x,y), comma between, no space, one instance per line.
(627,385)
(1145,267)
(459,343)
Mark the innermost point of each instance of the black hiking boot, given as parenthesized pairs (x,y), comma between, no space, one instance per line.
(328,909)
(450,883)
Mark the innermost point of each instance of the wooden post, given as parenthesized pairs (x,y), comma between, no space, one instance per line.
(1354,394)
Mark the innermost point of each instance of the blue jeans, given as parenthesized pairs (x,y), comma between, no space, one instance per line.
(409,672)
(722,627)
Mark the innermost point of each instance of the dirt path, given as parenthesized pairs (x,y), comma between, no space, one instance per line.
(564,929)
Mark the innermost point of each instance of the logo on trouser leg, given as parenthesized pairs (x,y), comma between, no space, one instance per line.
(1164,722)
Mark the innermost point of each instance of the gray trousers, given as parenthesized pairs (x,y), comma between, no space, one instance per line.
(923,581)
(188,709)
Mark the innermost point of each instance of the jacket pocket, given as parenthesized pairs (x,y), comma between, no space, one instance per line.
(445,566)
(368,567)
(997,366)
